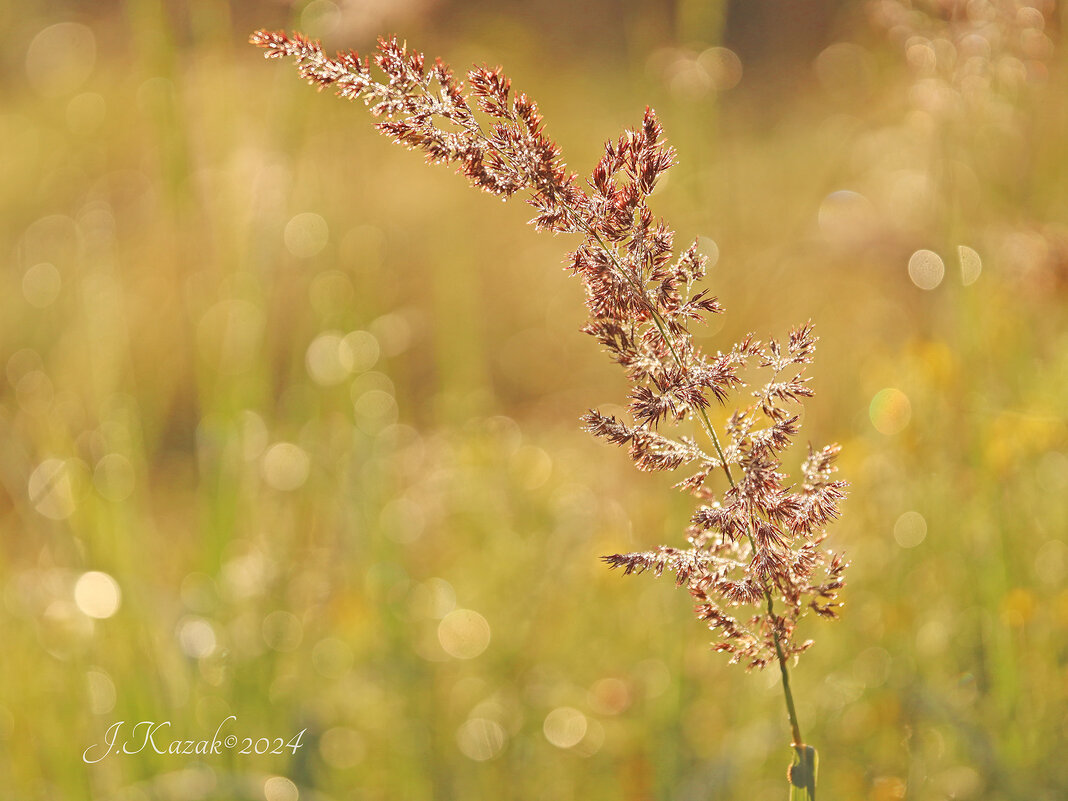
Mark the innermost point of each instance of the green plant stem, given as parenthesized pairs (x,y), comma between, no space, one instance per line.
(790,709)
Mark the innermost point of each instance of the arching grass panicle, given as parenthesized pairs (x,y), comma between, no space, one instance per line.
(755,541)
(758,539)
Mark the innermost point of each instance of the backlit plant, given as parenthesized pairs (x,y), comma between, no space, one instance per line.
(755,543)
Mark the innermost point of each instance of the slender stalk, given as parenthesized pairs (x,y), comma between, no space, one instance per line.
(795,728)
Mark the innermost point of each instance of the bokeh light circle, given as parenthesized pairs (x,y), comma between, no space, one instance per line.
(363,350)
(565,727)
(328,359)
(41,285)
(306,235)
(97,594)
(926,269)
(60,58)
(51,489)
(971,265)
(342,747)
(481,739)
(890,411)
(286,466)
(464,633)
(114,477)
(910,530)
(609,696)
(282,631)
(279,788)
(723,67)
(196,636)
(101,692)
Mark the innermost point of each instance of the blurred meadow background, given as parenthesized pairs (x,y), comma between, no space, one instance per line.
(289,421)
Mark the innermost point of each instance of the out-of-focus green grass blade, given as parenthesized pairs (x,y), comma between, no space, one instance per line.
(803,773)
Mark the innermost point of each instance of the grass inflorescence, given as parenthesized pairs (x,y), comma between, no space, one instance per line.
(755,543)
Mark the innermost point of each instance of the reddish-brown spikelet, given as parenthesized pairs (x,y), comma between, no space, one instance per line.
(759,540)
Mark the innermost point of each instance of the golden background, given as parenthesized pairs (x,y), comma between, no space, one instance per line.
(289,421)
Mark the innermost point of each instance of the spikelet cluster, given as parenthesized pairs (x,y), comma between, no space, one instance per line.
(756,541)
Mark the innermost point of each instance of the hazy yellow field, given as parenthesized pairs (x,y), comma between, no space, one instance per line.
(289,420)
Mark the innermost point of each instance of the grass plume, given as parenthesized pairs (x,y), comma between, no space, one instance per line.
(755,543)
